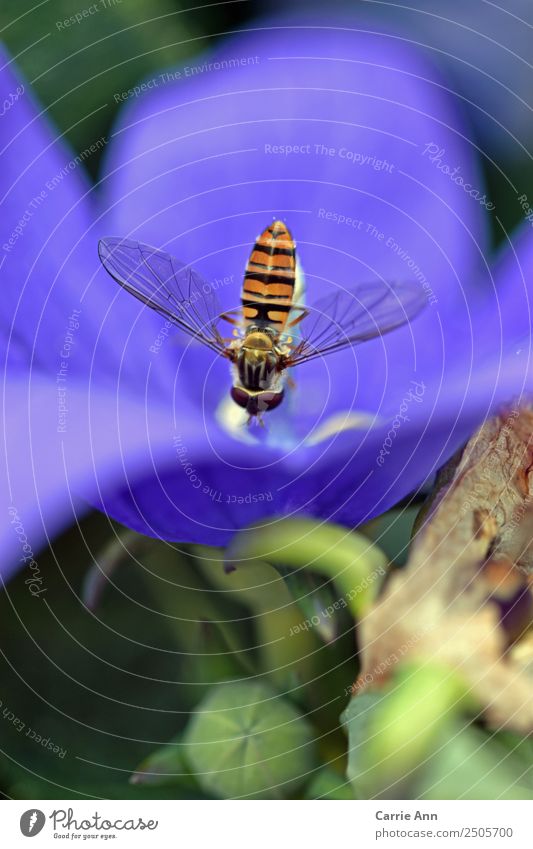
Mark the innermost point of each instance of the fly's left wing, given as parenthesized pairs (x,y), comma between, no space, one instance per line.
(349,317)
(167,286)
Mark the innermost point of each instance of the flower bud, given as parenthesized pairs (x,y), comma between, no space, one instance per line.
(247,741)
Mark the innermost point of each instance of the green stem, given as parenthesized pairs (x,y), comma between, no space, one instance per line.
(347,558)
(287,654)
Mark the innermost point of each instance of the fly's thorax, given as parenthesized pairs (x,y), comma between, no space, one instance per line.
(257,358)
(259,340)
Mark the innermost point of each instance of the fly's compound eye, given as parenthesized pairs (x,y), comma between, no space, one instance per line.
(258,402)
(240,396)
(268,400)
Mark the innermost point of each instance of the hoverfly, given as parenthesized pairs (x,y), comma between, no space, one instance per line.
(263,349)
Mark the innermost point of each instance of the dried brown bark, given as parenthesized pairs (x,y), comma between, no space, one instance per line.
(464,597)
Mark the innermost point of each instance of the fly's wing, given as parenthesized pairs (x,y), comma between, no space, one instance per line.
(349,317)
(169,287)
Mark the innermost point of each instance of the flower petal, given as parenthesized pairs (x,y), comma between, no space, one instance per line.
(48,253)
(45,212)
(347,135)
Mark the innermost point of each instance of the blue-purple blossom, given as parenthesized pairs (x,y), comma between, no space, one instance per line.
(357,144)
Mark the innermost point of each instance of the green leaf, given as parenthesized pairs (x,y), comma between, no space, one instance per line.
(328,784)
(247,741)
(318,603)
(165,767)
(359,723)
(470,764)
(391,734)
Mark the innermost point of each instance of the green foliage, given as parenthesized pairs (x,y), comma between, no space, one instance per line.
(392,532)
(173,652)
(414,741)
(167,767)
(390,734)
(246,741)
(468,763)
(408,719)
(107,687)
(360,725)
(328,784)
(288,650)
(79,69)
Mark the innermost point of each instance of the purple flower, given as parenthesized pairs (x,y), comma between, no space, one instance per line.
(353,141)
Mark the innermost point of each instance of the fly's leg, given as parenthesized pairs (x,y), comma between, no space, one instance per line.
(303,314)
(257,419)
(228,316)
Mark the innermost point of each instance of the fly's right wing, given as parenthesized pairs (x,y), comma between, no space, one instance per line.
(174,290)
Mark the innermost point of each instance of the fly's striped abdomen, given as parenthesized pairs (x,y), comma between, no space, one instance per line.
(268,287)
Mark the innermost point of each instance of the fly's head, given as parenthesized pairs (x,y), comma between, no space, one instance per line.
(256,403)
